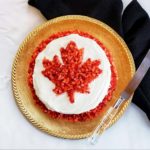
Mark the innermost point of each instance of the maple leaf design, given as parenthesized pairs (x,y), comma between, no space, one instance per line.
(73,75)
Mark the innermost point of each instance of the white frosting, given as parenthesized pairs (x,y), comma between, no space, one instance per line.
(83,102)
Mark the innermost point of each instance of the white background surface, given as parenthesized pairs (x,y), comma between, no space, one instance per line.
(17,19)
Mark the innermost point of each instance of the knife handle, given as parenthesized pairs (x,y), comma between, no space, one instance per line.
(105,122)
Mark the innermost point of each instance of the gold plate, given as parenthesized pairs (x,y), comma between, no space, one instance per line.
(122,59)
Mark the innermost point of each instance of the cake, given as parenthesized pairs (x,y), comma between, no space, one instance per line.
(71,76)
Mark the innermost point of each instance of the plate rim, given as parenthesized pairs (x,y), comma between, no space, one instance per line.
(39,27)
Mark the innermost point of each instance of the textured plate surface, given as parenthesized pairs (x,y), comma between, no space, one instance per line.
(121,56)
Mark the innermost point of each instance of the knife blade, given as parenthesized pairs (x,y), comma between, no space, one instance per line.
(135,81)
(137,78)
(125,95)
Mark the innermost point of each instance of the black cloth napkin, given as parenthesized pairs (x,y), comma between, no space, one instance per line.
(133,24)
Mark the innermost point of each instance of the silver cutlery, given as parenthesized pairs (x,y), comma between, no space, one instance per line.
(124,96)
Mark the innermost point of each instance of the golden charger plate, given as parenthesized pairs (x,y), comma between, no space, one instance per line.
(123,62)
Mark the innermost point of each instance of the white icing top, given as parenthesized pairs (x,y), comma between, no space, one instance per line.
(83,102)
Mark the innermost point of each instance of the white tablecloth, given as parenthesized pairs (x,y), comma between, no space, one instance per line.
(17,19)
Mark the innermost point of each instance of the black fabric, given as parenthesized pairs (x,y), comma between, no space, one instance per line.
(108,11)
(136,29)
(133,25)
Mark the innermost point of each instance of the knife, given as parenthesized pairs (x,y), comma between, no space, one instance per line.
(124,96)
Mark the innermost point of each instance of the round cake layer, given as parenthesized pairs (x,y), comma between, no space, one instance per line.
(83,102)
